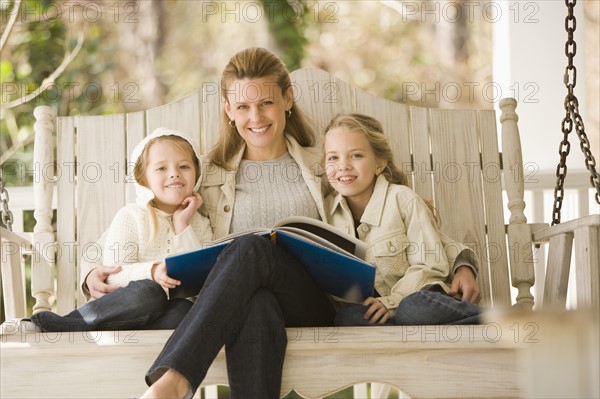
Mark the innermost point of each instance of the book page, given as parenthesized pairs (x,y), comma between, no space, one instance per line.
(312,227)
(308,236)
(232,236)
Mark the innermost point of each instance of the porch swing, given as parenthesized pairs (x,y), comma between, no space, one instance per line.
(475,361)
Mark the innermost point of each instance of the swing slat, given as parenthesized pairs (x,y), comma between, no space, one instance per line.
(457,186)
(66,222)
(491,172)
(421,165)
(136,129)
(13,284)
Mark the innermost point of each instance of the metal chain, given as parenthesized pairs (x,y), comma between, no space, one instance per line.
(7,216)
(572,116)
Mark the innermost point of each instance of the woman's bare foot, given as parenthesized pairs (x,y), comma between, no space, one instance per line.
(171,385)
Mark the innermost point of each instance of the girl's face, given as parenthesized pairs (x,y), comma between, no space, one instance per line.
(351,165)
(259,110)
(170,175)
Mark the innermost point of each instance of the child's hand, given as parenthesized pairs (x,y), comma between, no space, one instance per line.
(464,283)
(159,274)
(377,312)
(185,212)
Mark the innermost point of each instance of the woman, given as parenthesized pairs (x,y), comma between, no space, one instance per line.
(257,173)
(262,169)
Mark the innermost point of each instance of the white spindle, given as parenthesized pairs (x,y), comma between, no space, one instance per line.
(519,233)
(42,283)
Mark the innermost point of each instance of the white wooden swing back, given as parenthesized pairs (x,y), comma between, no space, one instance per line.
(452,157)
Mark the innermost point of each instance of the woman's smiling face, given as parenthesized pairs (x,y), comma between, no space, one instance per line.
(259,110)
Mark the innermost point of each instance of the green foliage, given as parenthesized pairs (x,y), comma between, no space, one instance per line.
(33,49)
(38,44)
(286,26)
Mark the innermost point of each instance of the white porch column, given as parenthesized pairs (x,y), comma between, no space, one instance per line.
(529,64)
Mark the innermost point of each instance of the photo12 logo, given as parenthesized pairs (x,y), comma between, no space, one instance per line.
(70,171)
(90,92)
(72,11)
(291,11)
(471,11)
(470,92)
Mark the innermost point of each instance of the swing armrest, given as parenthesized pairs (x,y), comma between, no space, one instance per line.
(584,235)
(543,235)
(12,291)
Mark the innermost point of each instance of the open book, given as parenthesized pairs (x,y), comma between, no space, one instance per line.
(334,259)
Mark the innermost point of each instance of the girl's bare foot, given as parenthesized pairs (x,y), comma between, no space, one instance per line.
(171,385)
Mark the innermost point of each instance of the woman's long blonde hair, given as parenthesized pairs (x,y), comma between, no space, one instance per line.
(141,165)
(372,129)
(256,63)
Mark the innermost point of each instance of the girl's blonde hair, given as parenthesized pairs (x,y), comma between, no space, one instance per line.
(141,165)
(372,129)
(256,63)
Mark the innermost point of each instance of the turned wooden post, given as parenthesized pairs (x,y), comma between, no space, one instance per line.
(42,281)
(519,232)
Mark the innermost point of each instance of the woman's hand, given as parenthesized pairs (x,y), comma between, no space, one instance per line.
(185,212)
(159,274)
(96,281)
(377,312)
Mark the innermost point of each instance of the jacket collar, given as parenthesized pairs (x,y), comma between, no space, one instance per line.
(374,210)
(299,153)
(214,179)
(307,158)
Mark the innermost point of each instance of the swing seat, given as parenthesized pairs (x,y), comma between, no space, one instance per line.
(451,157)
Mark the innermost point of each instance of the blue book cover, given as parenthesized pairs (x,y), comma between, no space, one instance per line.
(338,274)
(191,269)
(337,271)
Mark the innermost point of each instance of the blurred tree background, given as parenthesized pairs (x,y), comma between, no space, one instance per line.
(110,56)
(94,57)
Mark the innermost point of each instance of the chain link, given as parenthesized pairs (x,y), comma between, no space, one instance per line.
(7,216)
(572,118)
